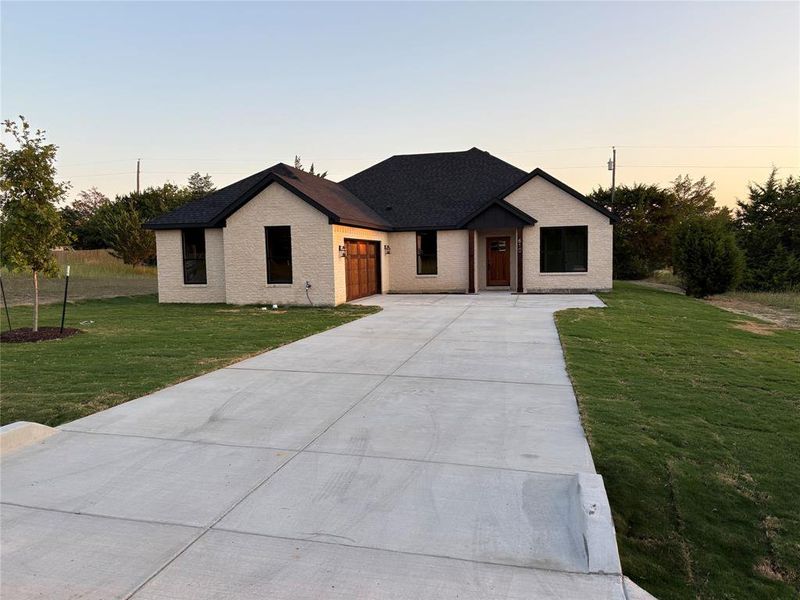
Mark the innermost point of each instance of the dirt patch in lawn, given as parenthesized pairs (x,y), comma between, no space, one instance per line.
(779,317)
(664,287)
(26,334)
(757,328)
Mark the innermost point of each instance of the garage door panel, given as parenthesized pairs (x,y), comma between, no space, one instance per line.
(362,268)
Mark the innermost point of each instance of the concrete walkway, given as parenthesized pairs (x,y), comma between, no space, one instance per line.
(432,450)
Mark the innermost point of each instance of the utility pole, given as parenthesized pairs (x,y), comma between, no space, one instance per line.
(612,166)
(138,170)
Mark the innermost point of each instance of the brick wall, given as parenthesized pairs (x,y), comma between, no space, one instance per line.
(553,207)
(246,255)
(453,263)
(171,288)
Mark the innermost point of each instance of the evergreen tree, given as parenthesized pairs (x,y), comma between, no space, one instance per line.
(200,185)
(768,230)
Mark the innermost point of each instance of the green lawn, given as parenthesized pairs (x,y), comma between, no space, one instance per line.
(133,346)
(694,422)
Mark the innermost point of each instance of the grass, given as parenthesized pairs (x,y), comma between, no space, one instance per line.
(693,415)
(134,346)
(94,274)
(781,300)
(100,264)
(665,277)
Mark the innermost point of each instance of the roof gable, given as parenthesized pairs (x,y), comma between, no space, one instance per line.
(340,205)
(435,191)
(537,172)
(498,214)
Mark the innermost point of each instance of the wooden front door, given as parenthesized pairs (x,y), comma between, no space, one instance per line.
(362,268)
(498,260)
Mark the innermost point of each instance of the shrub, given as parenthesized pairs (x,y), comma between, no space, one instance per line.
(706,256)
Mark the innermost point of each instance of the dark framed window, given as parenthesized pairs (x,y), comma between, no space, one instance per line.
(426,253)
(564,249)
(194,256)
(279,254)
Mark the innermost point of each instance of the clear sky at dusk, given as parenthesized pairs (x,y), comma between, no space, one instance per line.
(230,88)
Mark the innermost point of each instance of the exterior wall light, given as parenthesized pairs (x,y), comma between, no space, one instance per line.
(387,249)
(342,251)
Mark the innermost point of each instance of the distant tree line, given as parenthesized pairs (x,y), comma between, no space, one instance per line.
(95,221)
(680,227)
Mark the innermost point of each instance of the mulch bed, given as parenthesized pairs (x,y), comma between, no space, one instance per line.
(26,334)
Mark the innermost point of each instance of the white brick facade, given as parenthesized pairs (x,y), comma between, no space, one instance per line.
(453,263)
(169,251)
(246,252)
(553,207)
(236,253)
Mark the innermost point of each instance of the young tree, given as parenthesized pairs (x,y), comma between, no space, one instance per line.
(768,230)
(707,258)
(298,164)
(30,224)
(200,185)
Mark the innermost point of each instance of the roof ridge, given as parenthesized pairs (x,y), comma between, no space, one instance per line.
(432,153)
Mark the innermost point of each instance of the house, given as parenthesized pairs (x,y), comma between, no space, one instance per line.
(457,222)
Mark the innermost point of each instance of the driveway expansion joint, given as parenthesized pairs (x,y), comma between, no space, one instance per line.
(99,516)
(442,462)
(311,540)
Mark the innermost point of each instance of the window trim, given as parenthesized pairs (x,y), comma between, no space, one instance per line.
(564,229)
(185,260)
(271,280)
(420,255)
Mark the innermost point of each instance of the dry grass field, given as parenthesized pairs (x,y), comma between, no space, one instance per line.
(94,274)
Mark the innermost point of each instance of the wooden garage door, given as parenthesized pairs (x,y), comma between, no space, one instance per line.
(362,268)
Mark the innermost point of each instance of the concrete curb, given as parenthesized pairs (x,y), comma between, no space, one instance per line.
(22,433)
(596,525)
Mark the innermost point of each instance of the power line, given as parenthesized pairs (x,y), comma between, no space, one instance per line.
(551,167)
(102,174)
(704,167)
(535,151)
(684,147)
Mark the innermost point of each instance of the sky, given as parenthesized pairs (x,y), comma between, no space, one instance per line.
(230,88)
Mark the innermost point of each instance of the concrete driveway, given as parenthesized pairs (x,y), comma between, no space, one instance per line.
(432,450)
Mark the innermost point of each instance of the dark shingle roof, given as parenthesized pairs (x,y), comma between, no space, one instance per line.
(337,202)
(413,191)
(433,190)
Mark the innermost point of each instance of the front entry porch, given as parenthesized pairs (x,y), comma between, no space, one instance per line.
(495,260)
(495,248)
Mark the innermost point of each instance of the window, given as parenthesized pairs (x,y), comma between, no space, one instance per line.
(194,256)
(498,246)
(564,250)
(426,253)
(279,254)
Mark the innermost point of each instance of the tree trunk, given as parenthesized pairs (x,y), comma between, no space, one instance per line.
(35,301)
